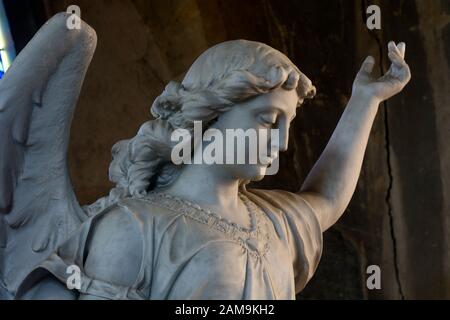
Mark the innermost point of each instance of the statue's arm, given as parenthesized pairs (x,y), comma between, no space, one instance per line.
(113,256)
(114,252)
(332,181)
(49,288)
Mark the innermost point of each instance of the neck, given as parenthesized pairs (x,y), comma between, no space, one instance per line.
(203,184)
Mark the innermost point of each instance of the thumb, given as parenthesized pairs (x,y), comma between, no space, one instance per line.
(367,65)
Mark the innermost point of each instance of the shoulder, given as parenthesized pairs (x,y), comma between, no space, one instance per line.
(119,235)
(108,248)
(155,210)
(291,208)
(114,247)
(286,201)
(300,225)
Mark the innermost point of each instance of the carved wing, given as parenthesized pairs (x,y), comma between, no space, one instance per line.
(38,94)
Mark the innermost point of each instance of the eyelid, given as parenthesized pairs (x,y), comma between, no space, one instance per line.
(269,117)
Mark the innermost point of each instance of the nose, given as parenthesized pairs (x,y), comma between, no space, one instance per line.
(284,137)
(311,92)
(308,91)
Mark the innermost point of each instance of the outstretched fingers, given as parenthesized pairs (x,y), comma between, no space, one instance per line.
(396,55)
(392,47)
(368,64)
(402,48)
(367,67)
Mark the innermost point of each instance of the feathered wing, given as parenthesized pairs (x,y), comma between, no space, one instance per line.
(38,94)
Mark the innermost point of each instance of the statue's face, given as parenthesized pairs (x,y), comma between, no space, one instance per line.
(273,110)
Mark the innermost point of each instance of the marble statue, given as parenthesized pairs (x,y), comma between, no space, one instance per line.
(167,231)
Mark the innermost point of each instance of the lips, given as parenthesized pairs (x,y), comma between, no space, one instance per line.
(273,156)
(269,160)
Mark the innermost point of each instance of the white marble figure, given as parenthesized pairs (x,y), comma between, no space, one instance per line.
(190,231)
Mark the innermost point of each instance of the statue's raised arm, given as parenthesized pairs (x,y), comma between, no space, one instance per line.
(331,183)
(38,94)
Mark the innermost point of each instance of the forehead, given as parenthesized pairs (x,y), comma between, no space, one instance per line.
(280,99)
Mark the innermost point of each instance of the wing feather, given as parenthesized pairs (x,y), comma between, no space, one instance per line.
(38,94)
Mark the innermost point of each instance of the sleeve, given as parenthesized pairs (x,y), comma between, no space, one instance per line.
(96,259)
(297,222)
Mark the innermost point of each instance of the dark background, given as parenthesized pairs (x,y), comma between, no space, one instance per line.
(399,217)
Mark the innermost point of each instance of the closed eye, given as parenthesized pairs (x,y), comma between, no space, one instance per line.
(268,118)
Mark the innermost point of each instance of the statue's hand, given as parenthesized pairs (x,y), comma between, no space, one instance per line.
(389,84)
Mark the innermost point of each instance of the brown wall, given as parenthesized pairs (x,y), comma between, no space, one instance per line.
(399,216)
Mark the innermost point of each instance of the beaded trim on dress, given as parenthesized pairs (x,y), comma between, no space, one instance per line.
(259,230)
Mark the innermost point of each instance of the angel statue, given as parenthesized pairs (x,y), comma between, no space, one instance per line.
(168,230)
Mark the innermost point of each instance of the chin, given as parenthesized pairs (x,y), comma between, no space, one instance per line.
(258,177)
(252,173)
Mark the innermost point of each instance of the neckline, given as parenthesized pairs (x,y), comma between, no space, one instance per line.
(211,218)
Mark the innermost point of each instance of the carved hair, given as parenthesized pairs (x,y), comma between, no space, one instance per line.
(224,75)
